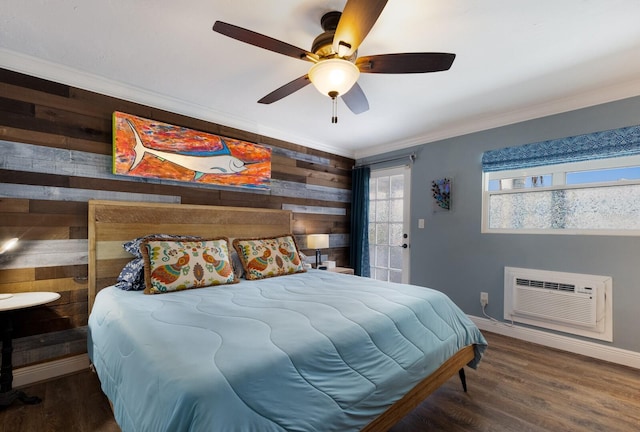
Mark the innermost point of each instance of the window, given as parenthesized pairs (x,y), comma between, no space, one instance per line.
(593,195)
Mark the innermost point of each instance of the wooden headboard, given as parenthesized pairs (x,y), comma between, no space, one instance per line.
(112,223)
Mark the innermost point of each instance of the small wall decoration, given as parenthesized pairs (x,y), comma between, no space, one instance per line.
(148,148)
(441,191)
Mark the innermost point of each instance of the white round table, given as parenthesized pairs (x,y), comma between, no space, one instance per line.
(8,304)
(26,299)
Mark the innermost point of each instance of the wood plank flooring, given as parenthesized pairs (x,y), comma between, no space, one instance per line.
(519,387)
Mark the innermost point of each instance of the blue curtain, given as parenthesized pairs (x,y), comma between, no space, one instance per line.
(359,237)
(598,145)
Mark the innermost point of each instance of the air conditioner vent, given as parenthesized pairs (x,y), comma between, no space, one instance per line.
(545,284)
(570,302)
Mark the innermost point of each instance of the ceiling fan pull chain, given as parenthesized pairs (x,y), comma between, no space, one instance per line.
(334,117)
(334,105)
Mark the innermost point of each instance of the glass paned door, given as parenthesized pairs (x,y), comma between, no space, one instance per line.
(389,224)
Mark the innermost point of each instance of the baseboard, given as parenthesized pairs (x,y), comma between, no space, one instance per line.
(44,371)
(565,343)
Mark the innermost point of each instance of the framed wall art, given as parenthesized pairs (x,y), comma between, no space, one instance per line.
(441,192)
(149,148)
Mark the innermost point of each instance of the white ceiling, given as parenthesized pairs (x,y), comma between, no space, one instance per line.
(516,60)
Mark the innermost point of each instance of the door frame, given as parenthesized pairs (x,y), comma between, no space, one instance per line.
(405,170)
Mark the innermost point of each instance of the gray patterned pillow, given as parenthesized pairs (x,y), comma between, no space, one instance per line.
(238,270)
(131,277)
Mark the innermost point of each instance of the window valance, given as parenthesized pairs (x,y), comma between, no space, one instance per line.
(599,145)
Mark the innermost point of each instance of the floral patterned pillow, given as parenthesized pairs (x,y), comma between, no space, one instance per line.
(269,257)
(131,278)
(173,265)
(133,246)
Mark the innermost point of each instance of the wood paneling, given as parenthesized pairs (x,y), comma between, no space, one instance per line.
(55,155)
(39,84)
(55,285)
(86,168)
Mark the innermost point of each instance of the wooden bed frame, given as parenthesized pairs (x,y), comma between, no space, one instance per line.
(111,223)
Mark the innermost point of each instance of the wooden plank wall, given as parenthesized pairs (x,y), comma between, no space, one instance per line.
(55,155)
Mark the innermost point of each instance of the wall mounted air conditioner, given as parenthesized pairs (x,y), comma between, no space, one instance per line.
(574,303)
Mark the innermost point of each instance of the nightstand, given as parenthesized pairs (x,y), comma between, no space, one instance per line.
(343,270)
(8,304)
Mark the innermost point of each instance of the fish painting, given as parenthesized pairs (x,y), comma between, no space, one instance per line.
(149,148)
(202,162)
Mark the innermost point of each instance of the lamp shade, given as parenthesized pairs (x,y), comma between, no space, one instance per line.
(334,75)
(318,241)
(8,245)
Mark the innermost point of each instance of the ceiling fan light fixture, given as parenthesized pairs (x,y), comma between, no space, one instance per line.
(334,75)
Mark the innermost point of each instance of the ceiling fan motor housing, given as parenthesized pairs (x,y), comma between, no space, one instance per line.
(330,20)
(323,44)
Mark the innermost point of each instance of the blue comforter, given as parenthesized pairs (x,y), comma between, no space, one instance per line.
(316,351)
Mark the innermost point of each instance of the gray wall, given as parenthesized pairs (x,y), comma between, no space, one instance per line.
(451,255)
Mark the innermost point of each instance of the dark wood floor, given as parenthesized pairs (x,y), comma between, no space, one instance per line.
(519,387)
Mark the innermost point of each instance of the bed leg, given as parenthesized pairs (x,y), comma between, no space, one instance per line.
(463,379)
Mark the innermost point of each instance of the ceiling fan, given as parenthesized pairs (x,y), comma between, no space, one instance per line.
(336,65)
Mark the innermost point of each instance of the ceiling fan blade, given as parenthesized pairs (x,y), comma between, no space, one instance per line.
(262,41)
(356,100)
(286,90)
(405,63)
(358,17)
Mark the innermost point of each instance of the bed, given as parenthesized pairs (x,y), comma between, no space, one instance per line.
(314,350)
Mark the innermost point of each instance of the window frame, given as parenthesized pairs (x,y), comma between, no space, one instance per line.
(558,173)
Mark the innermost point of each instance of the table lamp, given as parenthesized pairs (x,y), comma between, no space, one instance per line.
(317,242)
(7,245)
